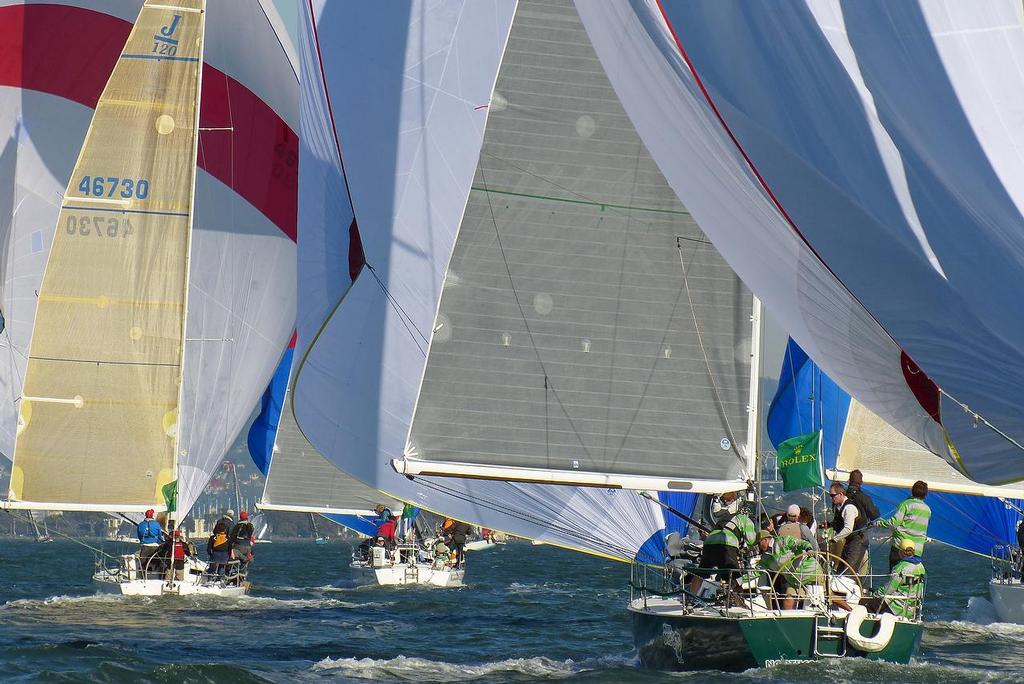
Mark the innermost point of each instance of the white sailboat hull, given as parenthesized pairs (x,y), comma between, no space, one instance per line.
(481,544)
(127,581)
(1008,599)
(413,573)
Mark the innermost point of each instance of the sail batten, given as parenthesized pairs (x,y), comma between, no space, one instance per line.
(106,352)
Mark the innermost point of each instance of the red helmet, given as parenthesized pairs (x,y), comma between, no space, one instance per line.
(244,515)
(149,513)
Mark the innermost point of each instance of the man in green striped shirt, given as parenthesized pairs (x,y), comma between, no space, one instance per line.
(909,523)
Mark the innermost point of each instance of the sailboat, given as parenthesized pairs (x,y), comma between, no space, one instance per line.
(977,518)
(43,535)
(300,479)
(530,312)
(109,366)
(372,271)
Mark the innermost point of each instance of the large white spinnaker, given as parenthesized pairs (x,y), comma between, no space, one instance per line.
(244,225)
(408,131)
(854,165)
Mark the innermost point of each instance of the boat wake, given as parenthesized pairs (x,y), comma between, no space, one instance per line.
(424,670)
(865,671)
(188,603)
(980,621)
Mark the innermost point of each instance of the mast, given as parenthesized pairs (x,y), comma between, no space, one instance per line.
(753,411)
(188,253)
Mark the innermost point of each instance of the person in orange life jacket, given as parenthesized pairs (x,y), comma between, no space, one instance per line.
(218,548)
(242,541)
(455,534)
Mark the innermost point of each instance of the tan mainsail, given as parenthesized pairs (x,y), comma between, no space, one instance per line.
(98,421)
(887,457)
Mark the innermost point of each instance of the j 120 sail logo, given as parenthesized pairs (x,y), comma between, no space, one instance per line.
(164,43)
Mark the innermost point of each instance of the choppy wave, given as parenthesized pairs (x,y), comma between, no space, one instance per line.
(187,603)
(60,600)
(863,671)
(423,670)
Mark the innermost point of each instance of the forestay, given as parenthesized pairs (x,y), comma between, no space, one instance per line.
(411,90)
(855,163)
(243,252)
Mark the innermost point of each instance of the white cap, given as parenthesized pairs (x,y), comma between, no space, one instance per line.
(793,510)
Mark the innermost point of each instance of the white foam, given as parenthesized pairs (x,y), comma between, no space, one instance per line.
(421,669)
(60,600)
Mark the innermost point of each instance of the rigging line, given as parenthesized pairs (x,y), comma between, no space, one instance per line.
(526,323)
(618,313)
(979,417)
(585,198)
(650,372)
(406,319)
(586,202)
(544,505)
(32,521)
(525,517)
(704,353)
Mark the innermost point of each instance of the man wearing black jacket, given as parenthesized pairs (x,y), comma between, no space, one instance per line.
(455,537)
(861,498)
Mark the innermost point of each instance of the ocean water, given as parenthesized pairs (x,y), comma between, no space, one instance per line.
(527,614)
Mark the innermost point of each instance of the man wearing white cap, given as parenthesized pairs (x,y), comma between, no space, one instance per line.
(796,529)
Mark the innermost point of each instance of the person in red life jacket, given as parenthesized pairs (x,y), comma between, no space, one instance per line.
(173,552)
(387,530)
(242,539)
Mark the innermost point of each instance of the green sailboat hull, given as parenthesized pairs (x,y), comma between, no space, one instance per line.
(698,642)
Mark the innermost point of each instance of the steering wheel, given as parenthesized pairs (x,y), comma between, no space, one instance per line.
(821,556)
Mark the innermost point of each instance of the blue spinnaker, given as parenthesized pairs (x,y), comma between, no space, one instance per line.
(808,399)
(263,432)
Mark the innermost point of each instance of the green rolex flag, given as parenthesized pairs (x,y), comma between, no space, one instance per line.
(170,492)
(799,461)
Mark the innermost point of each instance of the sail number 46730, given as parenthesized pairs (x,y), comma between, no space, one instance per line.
(109,186)
(100,226)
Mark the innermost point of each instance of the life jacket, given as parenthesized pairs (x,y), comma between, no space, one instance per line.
(447,524)
(838,523)
(865,505)
(790,529)
(179,550)
(387,530)
(150,531)
(220,540)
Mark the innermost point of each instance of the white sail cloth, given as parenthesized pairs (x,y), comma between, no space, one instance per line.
(410,85)
(242,289)
(857,164)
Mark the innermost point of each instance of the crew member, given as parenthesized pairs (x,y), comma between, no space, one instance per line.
(903,593)
(722,546)
(909,522)
(850,524)
(150,534)
(242,539)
